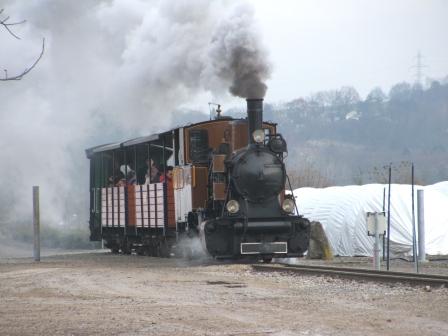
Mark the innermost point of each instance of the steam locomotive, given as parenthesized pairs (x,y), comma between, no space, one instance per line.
(227,188)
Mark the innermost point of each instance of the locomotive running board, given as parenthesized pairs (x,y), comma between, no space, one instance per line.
(264,248)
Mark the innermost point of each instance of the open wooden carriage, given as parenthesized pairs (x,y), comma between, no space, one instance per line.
(151,217)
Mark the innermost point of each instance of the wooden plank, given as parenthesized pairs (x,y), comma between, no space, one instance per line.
(131,206)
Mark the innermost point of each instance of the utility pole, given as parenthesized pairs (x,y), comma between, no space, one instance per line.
(419,68)
(36,223)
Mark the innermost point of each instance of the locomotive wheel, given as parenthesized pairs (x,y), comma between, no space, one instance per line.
(113,246)
(187,253)
(154,249)
(140,251)
(147,251)
(267,260)
(126,251)
(164,250)
(126,247)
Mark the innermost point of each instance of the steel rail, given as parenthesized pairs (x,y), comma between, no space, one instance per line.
(368,271)
(359,273)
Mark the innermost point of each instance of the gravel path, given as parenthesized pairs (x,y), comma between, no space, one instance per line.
(106,294)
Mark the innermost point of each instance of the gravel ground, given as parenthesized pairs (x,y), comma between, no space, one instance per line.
(104,294)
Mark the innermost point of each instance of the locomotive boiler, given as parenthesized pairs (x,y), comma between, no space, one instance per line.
(227,188)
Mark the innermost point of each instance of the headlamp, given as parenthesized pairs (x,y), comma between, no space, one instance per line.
(233,206)
(258,136)
(288,205)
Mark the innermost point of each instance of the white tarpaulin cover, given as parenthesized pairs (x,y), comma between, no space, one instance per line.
(342,212)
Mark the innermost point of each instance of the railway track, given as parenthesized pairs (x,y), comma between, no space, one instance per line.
(359,274)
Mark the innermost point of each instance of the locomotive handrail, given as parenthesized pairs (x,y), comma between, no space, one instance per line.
(93,197)
(292,193)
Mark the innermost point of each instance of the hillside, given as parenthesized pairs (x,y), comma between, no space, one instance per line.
(337,138)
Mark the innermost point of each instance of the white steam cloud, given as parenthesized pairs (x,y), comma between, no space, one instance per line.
(111,69)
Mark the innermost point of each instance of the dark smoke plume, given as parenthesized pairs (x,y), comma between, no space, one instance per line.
(238,56)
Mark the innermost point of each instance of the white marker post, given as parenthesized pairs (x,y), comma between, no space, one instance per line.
(36,223)
(376,226)
(421,225)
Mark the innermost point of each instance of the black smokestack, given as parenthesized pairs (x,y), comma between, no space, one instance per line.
(254,116)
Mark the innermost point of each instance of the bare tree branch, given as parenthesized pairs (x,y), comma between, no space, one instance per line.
(24,72)
(7,25)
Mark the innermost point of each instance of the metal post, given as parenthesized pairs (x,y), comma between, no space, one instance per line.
(421,225)
(384,210)
(135,161)
(414,235)
(113,169)
(163,159)
(148,152)
(36,223)
(165,198)
(125,167)
(376,247)
(388,218)
(103,175)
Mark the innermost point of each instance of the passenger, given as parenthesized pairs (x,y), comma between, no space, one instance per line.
(114,180)
(129,177)
(121,183)
(142,171)
(153,173)
(116,176)
(168,175)
(125,169)
(161,170)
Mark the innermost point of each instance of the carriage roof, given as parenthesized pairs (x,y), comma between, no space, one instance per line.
(150,138)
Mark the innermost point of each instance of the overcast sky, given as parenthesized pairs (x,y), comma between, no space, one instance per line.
(325,44)
(115,69)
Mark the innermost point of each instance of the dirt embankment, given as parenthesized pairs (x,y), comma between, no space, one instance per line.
(106,294)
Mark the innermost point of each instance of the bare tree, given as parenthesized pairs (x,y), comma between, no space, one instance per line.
(308,176)
(5,23)
(401,174)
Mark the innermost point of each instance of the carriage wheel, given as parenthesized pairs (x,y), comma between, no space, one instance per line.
(126,247)
(267,260)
